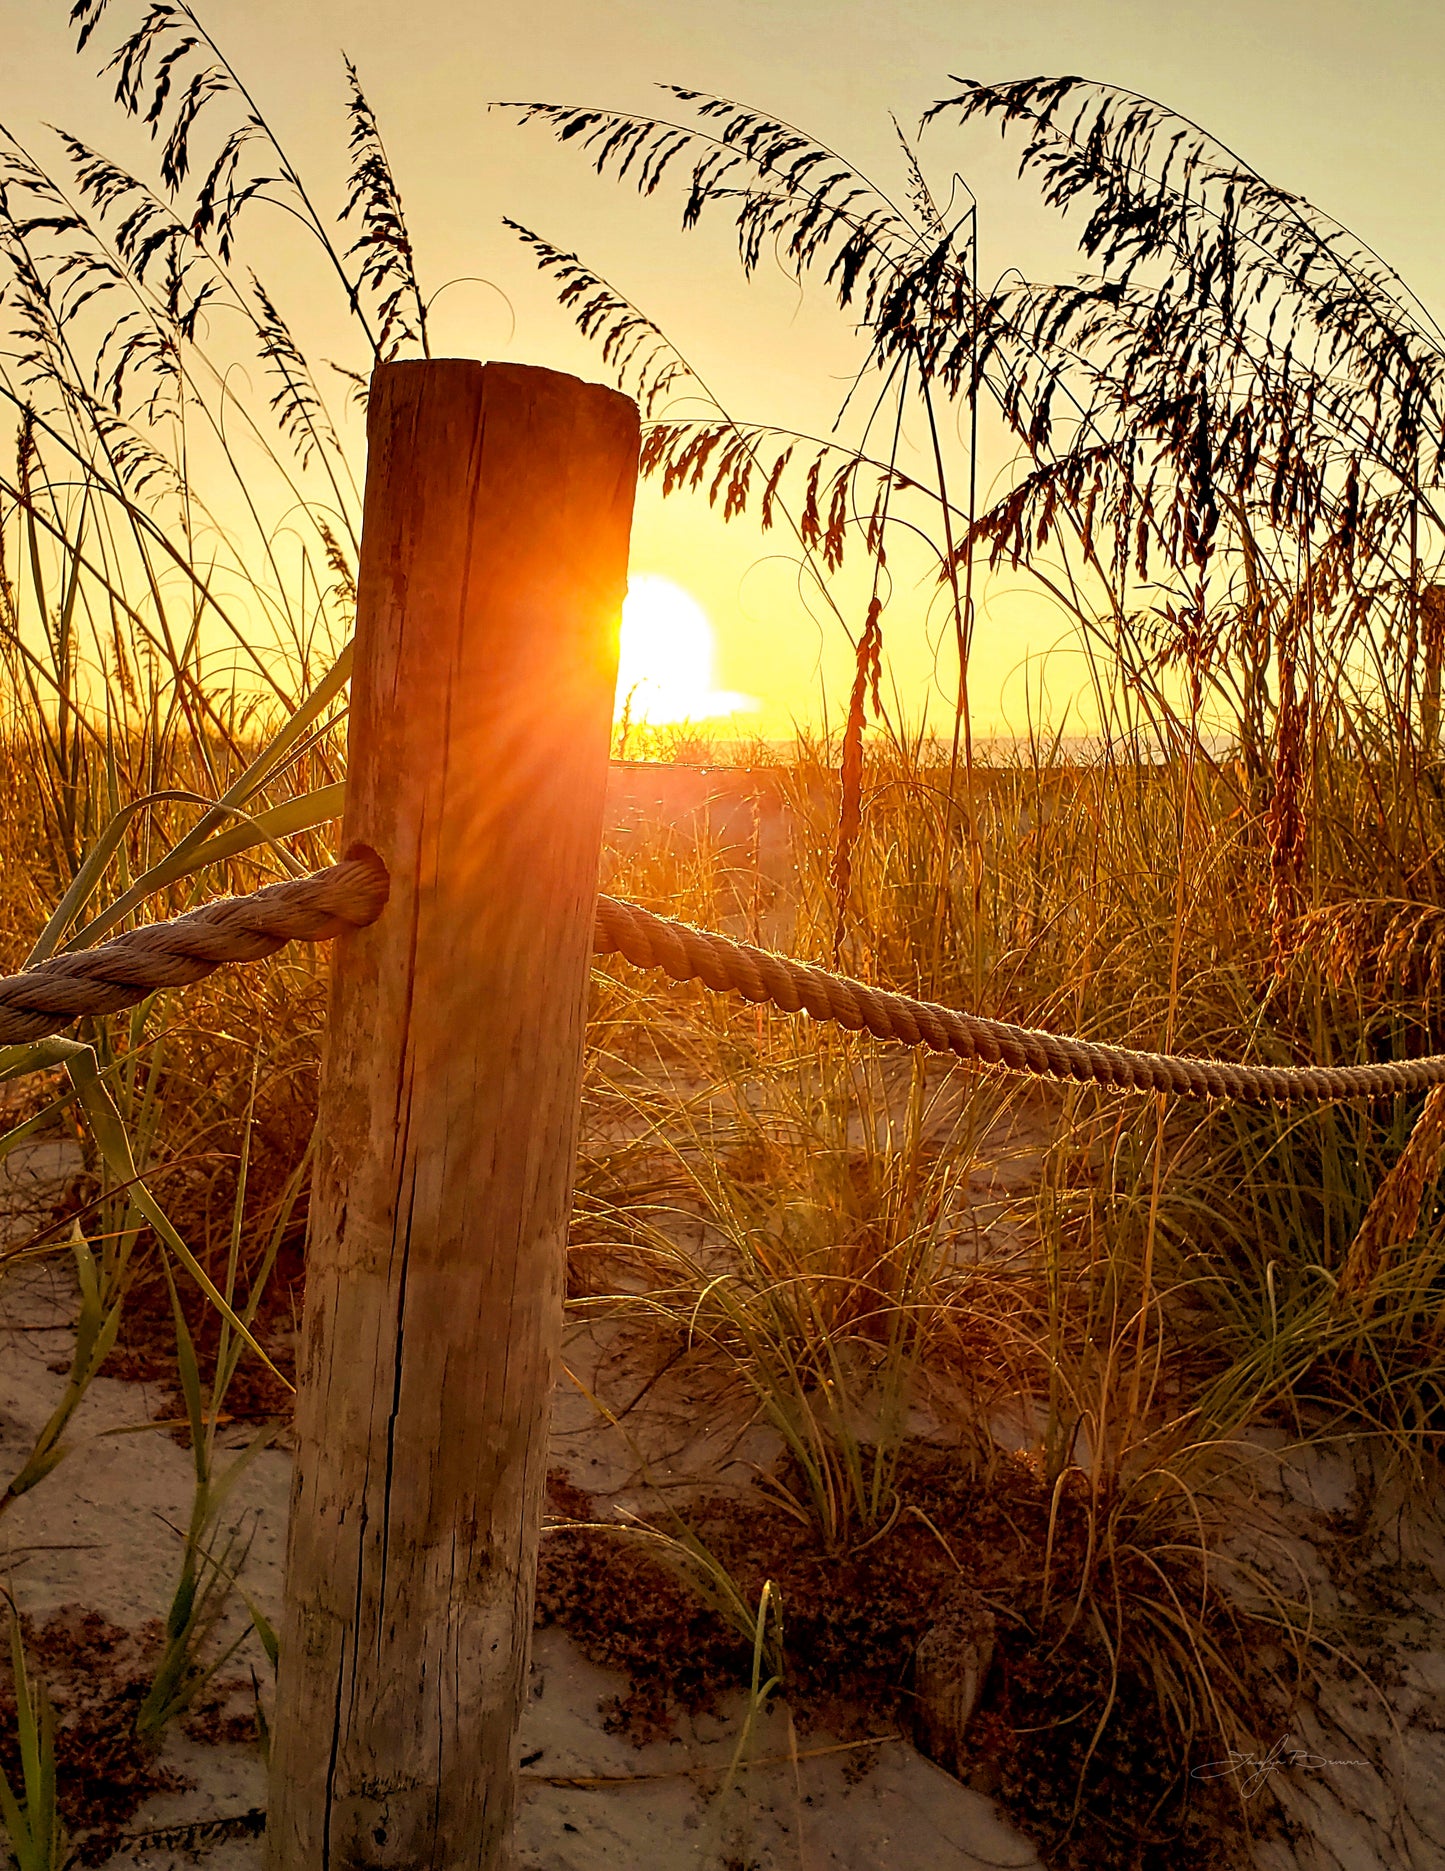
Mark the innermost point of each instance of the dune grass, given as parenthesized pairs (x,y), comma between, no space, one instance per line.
(810,1223)
(1089,1306)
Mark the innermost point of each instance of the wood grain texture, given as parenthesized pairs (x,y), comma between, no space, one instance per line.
(493,566)
(949,1668)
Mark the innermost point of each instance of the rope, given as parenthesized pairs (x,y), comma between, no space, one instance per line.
(690,954)
(121,972)
(353,893)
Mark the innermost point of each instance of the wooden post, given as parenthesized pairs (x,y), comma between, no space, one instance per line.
(493,565)
(949,1667)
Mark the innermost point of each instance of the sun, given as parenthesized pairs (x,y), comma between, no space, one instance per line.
(664,671)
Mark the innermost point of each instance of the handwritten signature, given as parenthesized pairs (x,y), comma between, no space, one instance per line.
(1253,1770)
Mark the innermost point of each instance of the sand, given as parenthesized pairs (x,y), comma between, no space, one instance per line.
(102,1532)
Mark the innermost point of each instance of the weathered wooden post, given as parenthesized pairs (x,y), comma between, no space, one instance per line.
(493,565)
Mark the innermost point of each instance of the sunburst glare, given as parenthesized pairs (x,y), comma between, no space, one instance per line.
(665,671)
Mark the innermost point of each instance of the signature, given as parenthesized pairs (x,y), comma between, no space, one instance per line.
(1253,1770)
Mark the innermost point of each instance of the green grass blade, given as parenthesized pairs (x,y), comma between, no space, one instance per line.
(114,1144)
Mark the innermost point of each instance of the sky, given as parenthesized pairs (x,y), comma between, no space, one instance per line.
(1342,102)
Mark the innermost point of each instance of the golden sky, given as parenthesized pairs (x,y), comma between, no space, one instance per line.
(1344,102)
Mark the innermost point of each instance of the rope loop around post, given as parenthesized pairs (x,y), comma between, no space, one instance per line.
(353,893)
(119,973)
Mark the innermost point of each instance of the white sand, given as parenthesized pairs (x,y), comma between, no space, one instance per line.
(101,1531)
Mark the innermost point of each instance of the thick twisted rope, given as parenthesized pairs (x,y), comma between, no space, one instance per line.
(689,954)
(353,893)
(121,972)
